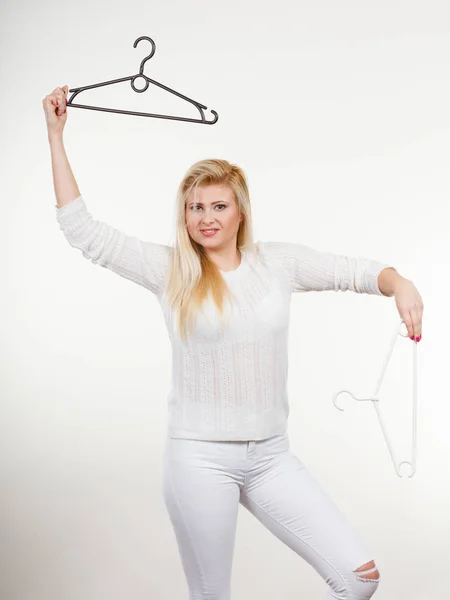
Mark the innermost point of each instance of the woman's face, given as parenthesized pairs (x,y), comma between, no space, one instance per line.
(213,207)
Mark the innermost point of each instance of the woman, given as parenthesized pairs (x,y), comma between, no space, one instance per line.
(225,300)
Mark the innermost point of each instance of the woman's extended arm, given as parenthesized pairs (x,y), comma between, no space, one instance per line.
(310,269)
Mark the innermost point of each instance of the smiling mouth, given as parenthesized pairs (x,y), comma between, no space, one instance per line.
(209,232)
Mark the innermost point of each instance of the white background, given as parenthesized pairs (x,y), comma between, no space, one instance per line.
(338,114)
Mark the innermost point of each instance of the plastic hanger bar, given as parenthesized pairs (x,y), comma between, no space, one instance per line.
(374,398)
(132,78)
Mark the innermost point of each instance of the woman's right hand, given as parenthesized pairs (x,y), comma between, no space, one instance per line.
(55,110)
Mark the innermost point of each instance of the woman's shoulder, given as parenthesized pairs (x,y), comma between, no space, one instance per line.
(274,255)
(275,250)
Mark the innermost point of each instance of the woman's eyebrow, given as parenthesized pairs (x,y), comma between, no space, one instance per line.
(216,202)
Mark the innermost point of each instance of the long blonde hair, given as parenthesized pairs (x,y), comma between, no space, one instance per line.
(192,275)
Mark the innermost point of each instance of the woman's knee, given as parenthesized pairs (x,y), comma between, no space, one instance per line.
(359,584)
(367,581)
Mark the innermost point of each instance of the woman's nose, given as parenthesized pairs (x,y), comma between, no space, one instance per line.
(208,217)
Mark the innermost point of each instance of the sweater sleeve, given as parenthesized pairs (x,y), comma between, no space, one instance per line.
(309,269)
(145,263)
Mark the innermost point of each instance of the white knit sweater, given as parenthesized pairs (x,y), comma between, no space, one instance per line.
(231,384)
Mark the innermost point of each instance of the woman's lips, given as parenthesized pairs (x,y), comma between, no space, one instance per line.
(209,234)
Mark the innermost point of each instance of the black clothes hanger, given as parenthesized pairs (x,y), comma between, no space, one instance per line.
(133,78)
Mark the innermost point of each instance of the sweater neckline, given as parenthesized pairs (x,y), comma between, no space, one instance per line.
(238,270)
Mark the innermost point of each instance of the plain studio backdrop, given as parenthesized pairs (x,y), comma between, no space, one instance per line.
(338,114)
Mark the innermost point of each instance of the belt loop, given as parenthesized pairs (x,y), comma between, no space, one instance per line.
(248,447)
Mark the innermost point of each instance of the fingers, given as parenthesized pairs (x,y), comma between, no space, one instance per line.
(57,99)
(414,324)
(60,94)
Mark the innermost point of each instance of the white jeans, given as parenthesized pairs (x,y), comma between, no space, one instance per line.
(205,481)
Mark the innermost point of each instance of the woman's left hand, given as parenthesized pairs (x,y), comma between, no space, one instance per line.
(410,307)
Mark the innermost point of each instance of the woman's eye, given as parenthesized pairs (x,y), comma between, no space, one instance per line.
(198,206)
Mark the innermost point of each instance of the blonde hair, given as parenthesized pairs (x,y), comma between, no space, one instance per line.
(192,275)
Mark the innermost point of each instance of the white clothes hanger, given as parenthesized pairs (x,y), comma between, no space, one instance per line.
(374,398)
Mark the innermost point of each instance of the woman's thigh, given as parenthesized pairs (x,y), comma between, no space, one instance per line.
(201,487)
(283,495)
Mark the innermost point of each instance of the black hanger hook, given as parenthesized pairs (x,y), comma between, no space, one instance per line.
(145,37)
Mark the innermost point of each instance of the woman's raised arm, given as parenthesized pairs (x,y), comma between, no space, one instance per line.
(145,263)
